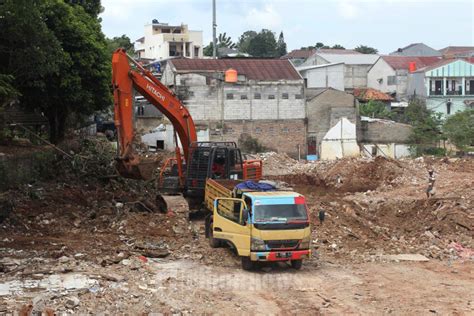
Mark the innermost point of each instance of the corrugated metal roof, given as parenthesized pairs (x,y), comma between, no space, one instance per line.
(454,50)
(299,53)
(367,94)
(318,66)
(459,67)
(403,62)
(306,53)
(254,69)
(351,59)
(338,51)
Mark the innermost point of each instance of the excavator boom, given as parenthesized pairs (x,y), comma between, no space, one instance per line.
(127,75)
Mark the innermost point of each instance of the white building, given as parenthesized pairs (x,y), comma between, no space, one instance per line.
(390,73)
(162,41)
(323,76)
(355,68)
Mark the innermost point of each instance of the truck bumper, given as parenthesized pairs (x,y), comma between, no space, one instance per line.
(280,255)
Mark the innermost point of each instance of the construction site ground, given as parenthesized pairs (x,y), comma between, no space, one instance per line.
(88,241)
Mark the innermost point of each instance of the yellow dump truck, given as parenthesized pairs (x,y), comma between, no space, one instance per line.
(259,224)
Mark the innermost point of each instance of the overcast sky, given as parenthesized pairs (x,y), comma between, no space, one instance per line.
(383,24)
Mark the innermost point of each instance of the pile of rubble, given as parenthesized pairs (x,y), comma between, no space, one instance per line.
(378,206)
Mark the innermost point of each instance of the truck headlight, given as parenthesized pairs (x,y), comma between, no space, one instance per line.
(305,242)
(257,244)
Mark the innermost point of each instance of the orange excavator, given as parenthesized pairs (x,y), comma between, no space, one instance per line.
(188,171)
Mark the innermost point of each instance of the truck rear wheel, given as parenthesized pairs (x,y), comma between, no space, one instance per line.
(247,264)
(296,264)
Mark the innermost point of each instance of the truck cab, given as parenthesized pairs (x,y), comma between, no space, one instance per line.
(262,226)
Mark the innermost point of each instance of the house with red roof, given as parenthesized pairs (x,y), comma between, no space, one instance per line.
(264,99)
(389,74)
(447,85)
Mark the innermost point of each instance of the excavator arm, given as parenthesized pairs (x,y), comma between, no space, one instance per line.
(127,75)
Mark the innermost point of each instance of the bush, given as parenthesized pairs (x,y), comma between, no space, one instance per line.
(250,144)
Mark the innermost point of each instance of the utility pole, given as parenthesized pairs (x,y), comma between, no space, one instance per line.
(214,26)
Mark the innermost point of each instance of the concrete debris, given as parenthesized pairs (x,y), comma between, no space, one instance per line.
(102,252)
(406,257)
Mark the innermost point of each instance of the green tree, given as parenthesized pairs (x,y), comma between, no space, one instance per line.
(375,109)
(263,44)
(281,45)
(92,7)
(58,57)
(222,41)
(426,124)
(337,46)
(244,41)
(320,45)
(459,129)
(7,90)
(120,42)
(366,49)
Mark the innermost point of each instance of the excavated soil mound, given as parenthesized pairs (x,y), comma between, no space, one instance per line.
(361,175)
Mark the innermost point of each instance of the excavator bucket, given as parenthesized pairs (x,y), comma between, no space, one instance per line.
(142,169)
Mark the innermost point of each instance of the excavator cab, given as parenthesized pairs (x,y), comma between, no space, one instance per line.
(215,160)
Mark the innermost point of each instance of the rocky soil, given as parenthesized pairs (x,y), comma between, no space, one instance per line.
(88,241)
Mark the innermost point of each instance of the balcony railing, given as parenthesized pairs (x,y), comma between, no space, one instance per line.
(451,93)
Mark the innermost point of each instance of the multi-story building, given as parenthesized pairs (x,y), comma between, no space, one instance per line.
(162,41)
(447,86)
(265,102)
(390,73)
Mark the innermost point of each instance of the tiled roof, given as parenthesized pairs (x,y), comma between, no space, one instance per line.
(299,53)
(367,94)
(454,50)
(403,62)
(255,69)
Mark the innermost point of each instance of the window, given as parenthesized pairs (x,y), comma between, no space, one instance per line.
(230,96)
(271,96)
(243,97)
(229,209)
(258,130)
(391,80)
(285,129)
(284,95)
(298,96)
(271,130)
(190,93)
(208,81)
(306,82)
(257,96)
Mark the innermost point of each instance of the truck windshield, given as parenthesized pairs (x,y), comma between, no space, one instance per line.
(280,213)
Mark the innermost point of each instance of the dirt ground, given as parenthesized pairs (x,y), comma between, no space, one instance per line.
(80,244)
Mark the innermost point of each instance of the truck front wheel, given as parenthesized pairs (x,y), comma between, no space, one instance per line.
(296,264)
(214,243)
(247,264)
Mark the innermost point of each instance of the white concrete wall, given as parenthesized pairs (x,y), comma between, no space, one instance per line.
(381,70)
(168,137)
(391,150)
(325,77)
(209,102)
(340,141)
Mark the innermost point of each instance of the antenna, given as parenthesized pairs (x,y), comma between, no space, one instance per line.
(214,27)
